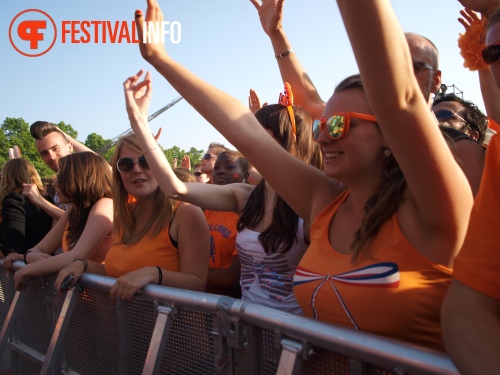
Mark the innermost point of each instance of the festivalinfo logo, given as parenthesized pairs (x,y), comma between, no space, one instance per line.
(33,32)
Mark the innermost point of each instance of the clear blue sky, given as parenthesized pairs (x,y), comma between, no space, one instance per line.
(222,41)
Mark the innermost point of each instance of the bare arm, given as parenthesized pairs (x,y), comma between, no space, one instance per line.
(485,7)
(240,127)
(305,93)
(98,226)
(441,196)
(218,198)
(77,146)
(471,329)
(32,193)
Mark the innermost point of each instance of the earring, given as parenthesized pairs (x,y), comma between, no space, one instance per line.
(244,181)
(387,152)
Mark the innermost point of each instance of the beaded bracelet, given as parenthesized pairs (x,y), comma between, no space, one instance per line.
(285,54)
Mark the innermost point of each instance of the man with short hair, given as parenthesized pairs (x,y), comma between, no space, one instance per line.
(208,160)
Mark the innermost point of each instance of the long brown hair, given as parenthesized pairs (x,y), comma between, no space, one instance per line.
(388,195)
(15,172)
(124,226)
(282,233)
(84,177)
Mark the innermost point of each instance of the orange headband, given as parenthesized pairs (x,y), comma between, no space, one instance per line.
(286,99)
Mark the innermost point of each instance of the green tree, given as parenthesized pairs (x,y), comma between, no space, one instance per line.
(175,152)
(16,131)
(96,142)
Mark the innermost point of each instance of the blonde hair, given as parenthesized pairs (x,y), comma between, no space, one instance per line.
(124,226)
(15,172)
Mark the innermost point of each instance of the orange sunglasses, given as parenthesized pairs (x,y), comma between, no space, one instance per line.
(337,125)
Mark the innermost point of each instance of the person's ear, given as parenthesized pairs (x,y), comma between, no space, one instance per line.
(474,134)
(245,177)
(70,147)
(436,81)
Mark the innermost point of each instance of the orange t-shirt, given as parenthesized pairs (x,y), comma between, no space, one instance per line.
(478,263)
(148,252)
(222,226)
(99,254)
(390,289)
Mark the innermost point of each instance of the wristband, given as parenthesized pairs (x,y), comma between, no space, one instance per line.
(285,54)
(85,263)
(25,254)
(160,275)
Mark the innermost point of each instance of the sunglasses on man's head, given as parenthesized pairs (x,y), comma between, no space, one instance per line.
(337,125)
(491,54)
(418,66)
(125,165)
(208,157)
(445,115)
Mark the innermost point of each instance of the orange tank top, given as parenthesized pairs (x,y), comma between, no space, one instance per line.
(147,252)
(390,289)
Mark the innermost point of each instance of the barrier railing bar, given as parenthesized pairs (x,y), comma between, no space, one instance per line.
(59,332)
(10,320)
(363,346)
(360,346)
(291,358)
(159,340)
(27,352)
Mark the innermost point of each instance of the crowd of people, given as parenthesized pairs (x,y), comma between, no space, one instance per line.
(376,213)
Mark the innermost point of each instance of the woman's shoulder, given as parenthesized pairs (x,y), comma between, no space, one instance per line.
(14,199)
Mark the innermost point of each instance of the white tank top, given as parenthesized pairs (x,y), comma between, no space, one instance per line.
(267,278)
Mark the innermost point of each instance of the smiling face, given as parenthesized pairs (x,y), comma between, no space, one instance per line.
(227,170)
(138,182)
(360,153)
(53,147)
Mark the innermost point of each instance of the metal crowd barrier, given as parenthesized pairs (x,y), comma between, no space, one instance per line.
(172,331)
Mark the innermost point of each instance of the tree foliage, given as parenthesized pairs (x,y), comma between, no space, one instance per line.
(16,131)
(96,142)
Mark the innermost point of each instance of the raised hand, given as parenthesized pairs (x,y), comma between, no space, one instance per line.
(138,95)
(153,14)
(186,162)
(470,17)
(254,101)
(270,14)
(32,193)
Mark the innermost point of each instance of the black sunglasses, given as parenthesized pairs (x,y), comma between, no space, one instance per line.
(446,115)
(197,174)
(125,165)
(419,65)
(208,157)
(491,54)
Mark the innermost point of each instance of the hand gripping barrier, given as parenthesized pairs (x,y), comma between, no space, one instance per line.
(172,331)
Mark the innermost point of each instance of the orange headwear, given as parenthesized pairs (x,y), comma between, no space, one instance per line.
(286,99)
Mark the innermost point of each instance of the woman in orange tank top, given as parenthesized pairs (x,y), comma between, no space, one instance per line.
(383,144)
(157,239)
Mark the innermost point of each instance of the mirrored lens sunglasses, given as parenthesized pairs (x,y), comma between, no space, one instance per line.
(491,54)
(337,125)
(125,165)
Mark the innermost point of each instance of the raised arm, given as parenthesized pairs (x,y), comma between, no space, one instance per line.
(32,193)
(485,7)
(98,226)
(440,195)
(214,197)
(240,127)
(305,93)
